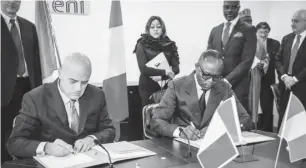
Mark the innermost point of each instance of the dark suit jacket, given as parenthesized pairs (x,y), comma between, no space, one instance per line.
(180,105)
(282,60)
(9,58)
(272,48)
(238,54)
(43,118)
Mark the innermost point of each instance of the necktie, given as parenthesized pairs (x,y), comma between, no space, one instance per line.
(74,117)
(16,39)
(226,33)
(202,102)
(294,51)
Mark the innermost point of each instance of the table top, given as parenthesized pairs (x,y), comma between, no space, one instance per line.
(171,153)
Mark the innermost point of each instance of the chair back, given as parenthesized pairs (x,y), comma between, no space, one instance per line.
(147,113)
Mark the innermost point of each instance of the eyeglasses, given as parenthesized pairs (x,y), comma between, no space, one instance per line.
(232,7)
(207,76)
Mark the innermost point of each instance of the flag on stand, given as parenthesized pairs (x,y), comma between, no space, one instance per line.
(217,148)
(293,129)
(229,114)
(49,55)
(115,85)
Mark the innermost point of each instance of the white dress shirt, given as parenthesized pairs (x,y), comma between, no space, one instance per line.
(176,132)
(303,34)
(233,24)
(9,25)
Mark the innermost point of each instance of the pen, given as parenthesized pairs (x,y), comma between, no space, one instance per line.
(191,123)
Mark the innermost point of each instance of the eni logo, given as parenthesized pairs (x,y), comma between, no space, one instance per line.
(69,7)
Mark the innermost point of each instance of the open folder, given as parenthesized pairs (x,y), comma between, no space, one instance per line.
(159,62)
(118,151)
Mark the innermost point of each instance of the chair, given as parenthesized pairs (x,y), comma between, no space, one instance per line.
(147,113)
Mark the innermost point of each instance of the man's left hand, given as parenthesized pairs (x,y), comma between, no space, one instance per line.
(84,145)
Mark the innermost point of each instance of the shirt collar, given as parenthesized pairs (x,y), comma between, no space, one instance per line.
(303,34)
(65,98)
(196,81)
(7,18)
(233,22)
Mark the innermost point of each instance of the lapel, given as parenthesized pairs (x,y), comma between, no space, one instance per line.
(288,49)
(84,106)
(234,31)
(212,103)
(300,51)
(219,32)
(269,46)
(55,103)
(192,99)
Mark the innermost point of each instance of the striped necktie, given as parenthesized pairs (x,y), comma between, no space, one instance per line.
(17,41)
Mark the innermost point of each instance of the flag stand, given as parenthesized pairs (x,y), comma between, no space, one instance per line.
(242,158)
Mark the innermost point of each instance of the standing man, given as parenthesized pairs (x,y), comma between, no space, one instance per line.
(290,63)
(263,76)
(20,65)
(236,41)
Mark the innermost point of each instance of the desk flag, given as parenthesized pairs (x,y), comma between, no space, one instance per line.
(293,129)
(217,148)
(114,85)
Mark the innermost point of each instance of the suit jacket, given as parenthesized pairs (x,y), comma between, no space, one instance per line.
(180,105)
(282,60)
(238,54)
(272,48)
(9,58)
(43,118)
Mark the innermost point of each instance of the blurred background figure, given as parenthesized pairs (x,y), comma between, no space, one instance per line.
(245,16)
(153,42)
(262,77)
(20,66)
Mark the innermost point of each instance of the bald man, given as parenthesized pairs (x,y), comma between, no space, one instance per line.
(290,62)
(64,116)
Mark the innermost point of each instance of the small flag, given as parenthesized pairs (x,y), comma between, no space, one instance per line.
(229,114)
(49,55)
(115,85)
(293,129)
(217,148)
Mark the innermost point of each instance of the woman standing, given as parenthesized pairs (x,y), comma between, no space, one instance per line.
(149,45)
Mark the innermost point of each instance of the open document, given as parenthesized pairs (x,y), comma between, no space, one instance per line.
(247,138)
(118,151)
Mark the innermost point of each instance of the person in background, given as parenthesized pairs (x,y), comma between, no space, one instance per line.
(20,66)
(194,99)
(290,63)
(56,116)
(236,41)
(153,42)
(263,76)
(245,16)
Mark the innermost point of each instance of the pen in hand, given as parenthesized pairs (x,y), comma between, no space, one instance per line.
(198,135)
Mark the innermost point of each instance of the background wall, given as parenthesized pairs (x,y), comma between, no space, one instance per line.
(188,23)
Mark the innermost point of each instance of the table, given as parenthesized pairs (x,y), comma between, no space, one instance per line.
(171,153)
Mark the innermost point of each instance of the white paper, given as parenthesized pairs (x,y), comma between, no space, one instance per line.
(159,62)
(63,162)
(247,138)
(255,62)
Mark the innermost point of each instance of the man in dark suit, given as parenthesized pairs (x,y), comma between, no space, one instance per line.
(56,116)
(267,69)
(290,62)
(194,98)
(236,41)
(20,65)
